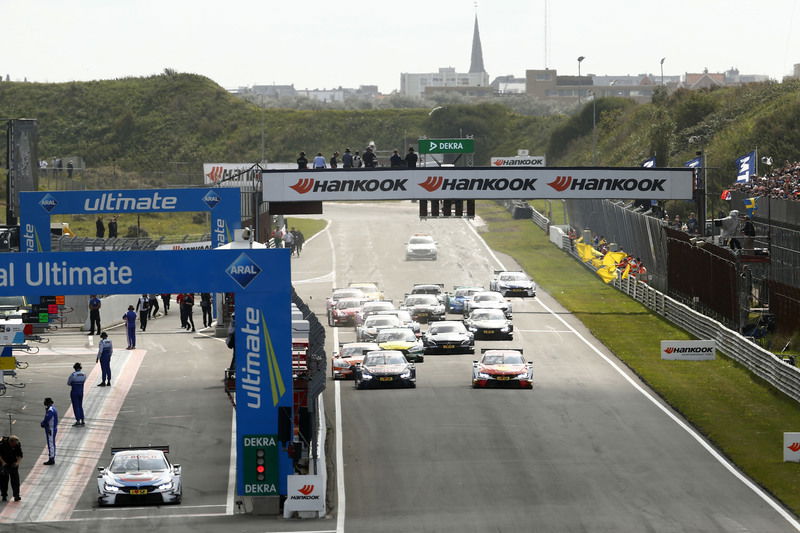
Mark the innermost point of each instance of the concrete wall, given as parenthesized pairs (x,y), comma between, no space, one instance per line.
(111,311)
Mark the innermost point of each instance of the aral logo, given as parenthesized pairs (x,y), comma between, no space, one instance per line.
(432,183)
(561,183)
(243,271)
(303,185)
(48,203)
(306,490)
(212,199)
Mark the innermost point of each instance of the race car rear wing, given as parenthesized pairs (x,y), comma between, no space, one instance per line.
(164,449)
(484,350)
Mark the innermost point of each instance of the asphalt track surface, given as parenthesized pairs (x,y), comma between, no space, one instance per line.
(588,449)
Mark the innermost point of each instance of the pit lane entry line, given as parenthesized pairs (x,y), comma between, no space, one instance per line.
(50,493)
(689,429)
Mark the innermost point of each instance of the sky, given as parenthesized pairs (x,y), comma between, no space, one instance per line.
(315,44)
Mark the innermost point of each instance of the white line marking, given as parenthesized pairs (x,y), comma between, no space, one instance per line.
(542,331)
(690,430)
(340,496)
(121,509)
(232,468)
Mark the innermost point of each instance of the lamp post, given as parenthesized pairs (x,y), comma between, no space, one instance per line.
(662,70)
(580,59)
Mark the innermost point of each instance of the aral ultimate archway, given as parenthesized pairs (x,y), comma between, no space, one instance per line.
(36,208)
(261,281)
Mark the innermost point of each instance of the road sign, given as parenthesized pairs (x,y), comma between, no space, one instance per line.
(446,146)
(260,465)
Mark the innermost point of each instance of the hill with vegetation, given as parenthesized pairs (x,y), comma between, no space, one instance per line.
(147,123)
(141,124)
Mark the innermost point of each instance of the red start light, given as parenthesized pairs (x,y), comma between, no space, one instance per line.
(260,469)
(28,329)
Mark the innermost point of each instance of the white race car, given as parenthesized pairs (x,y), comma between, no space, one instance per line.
(138,475)
(512,283)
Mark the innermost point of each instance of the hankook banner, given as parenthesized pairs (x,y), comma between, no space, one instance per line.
(477,183)
(689,350)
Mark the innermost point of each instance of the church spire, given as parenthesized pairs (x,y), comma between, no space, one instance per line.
(476,64)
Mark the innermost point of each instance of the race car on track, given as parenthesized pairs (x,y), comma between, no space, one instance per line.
(448,336)
(372,308)
(437,289)
(338,294)
(385,368)
(402,340)
(489,323)
(369,288)
(502,368)
(405,319)
(423,307)
(512,283)
(488,300)
(345,312)
(455,302)
(348,356)
(367,331)
(138,475)
(421,246)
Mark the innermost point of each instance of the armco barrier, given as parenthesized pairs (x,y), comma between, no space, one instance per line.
(761,362)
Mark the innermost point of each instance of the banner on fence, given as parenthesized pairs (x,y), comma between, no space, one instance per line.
(689,350)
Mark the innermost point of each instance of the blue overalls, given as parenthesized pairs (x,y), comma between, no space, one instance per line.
(130,322)
(104,355)
(50,425)
(76,381)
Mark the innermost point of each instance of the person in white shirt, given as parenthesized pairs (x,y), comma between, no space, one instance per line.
(319,160)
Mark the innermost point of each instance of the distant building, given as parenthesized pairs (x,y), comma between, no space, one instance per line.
(508,85)
(473,83)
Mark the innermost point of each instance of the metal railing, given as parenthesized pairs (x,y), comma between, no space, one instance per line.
(763,363)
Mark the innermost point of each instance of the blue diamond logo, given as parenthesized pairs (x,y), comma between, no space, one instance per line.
(48,202)
(243,271)
(212,199)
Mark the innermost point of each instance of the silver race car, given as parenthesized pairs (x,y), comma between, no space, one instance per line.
(138,475)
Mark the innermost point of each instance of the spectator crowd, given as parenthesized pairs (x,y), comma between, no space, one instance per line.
(351,160)
(781,183)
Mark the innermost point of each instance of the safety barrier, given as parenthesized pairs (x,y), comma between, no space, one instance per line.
(763,363)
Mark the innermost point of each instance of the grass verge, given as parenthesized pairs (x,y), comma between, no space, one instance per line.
(742,415)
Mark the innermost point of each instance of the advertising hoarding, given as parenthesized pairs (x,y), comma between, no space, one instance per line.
(475,183)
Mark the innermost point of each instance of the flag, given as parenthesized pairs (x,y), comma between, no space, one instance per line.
(607,273)
(726,195)
(613,258)
(751,206)
(597,262)
(745,167)
(697,162)
(627,271)
(649,163)
(584,252)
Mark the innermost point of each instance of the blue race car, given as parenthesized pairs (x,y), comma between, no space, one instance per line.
(454,302)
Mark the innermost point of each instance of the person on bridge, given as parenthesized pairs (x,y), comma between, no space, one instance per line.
(370,159)
(334,161)
(94,314)
(50,425)
(411,158)
(101,228)
(319,161)
(75,381)
(347,159)
(130,327)
(10,457)
(104,351)
(143,306)
(302,162)
(396,161)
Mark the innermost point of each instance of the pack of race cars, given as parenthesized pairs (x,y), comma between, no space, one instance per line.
(390,340)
